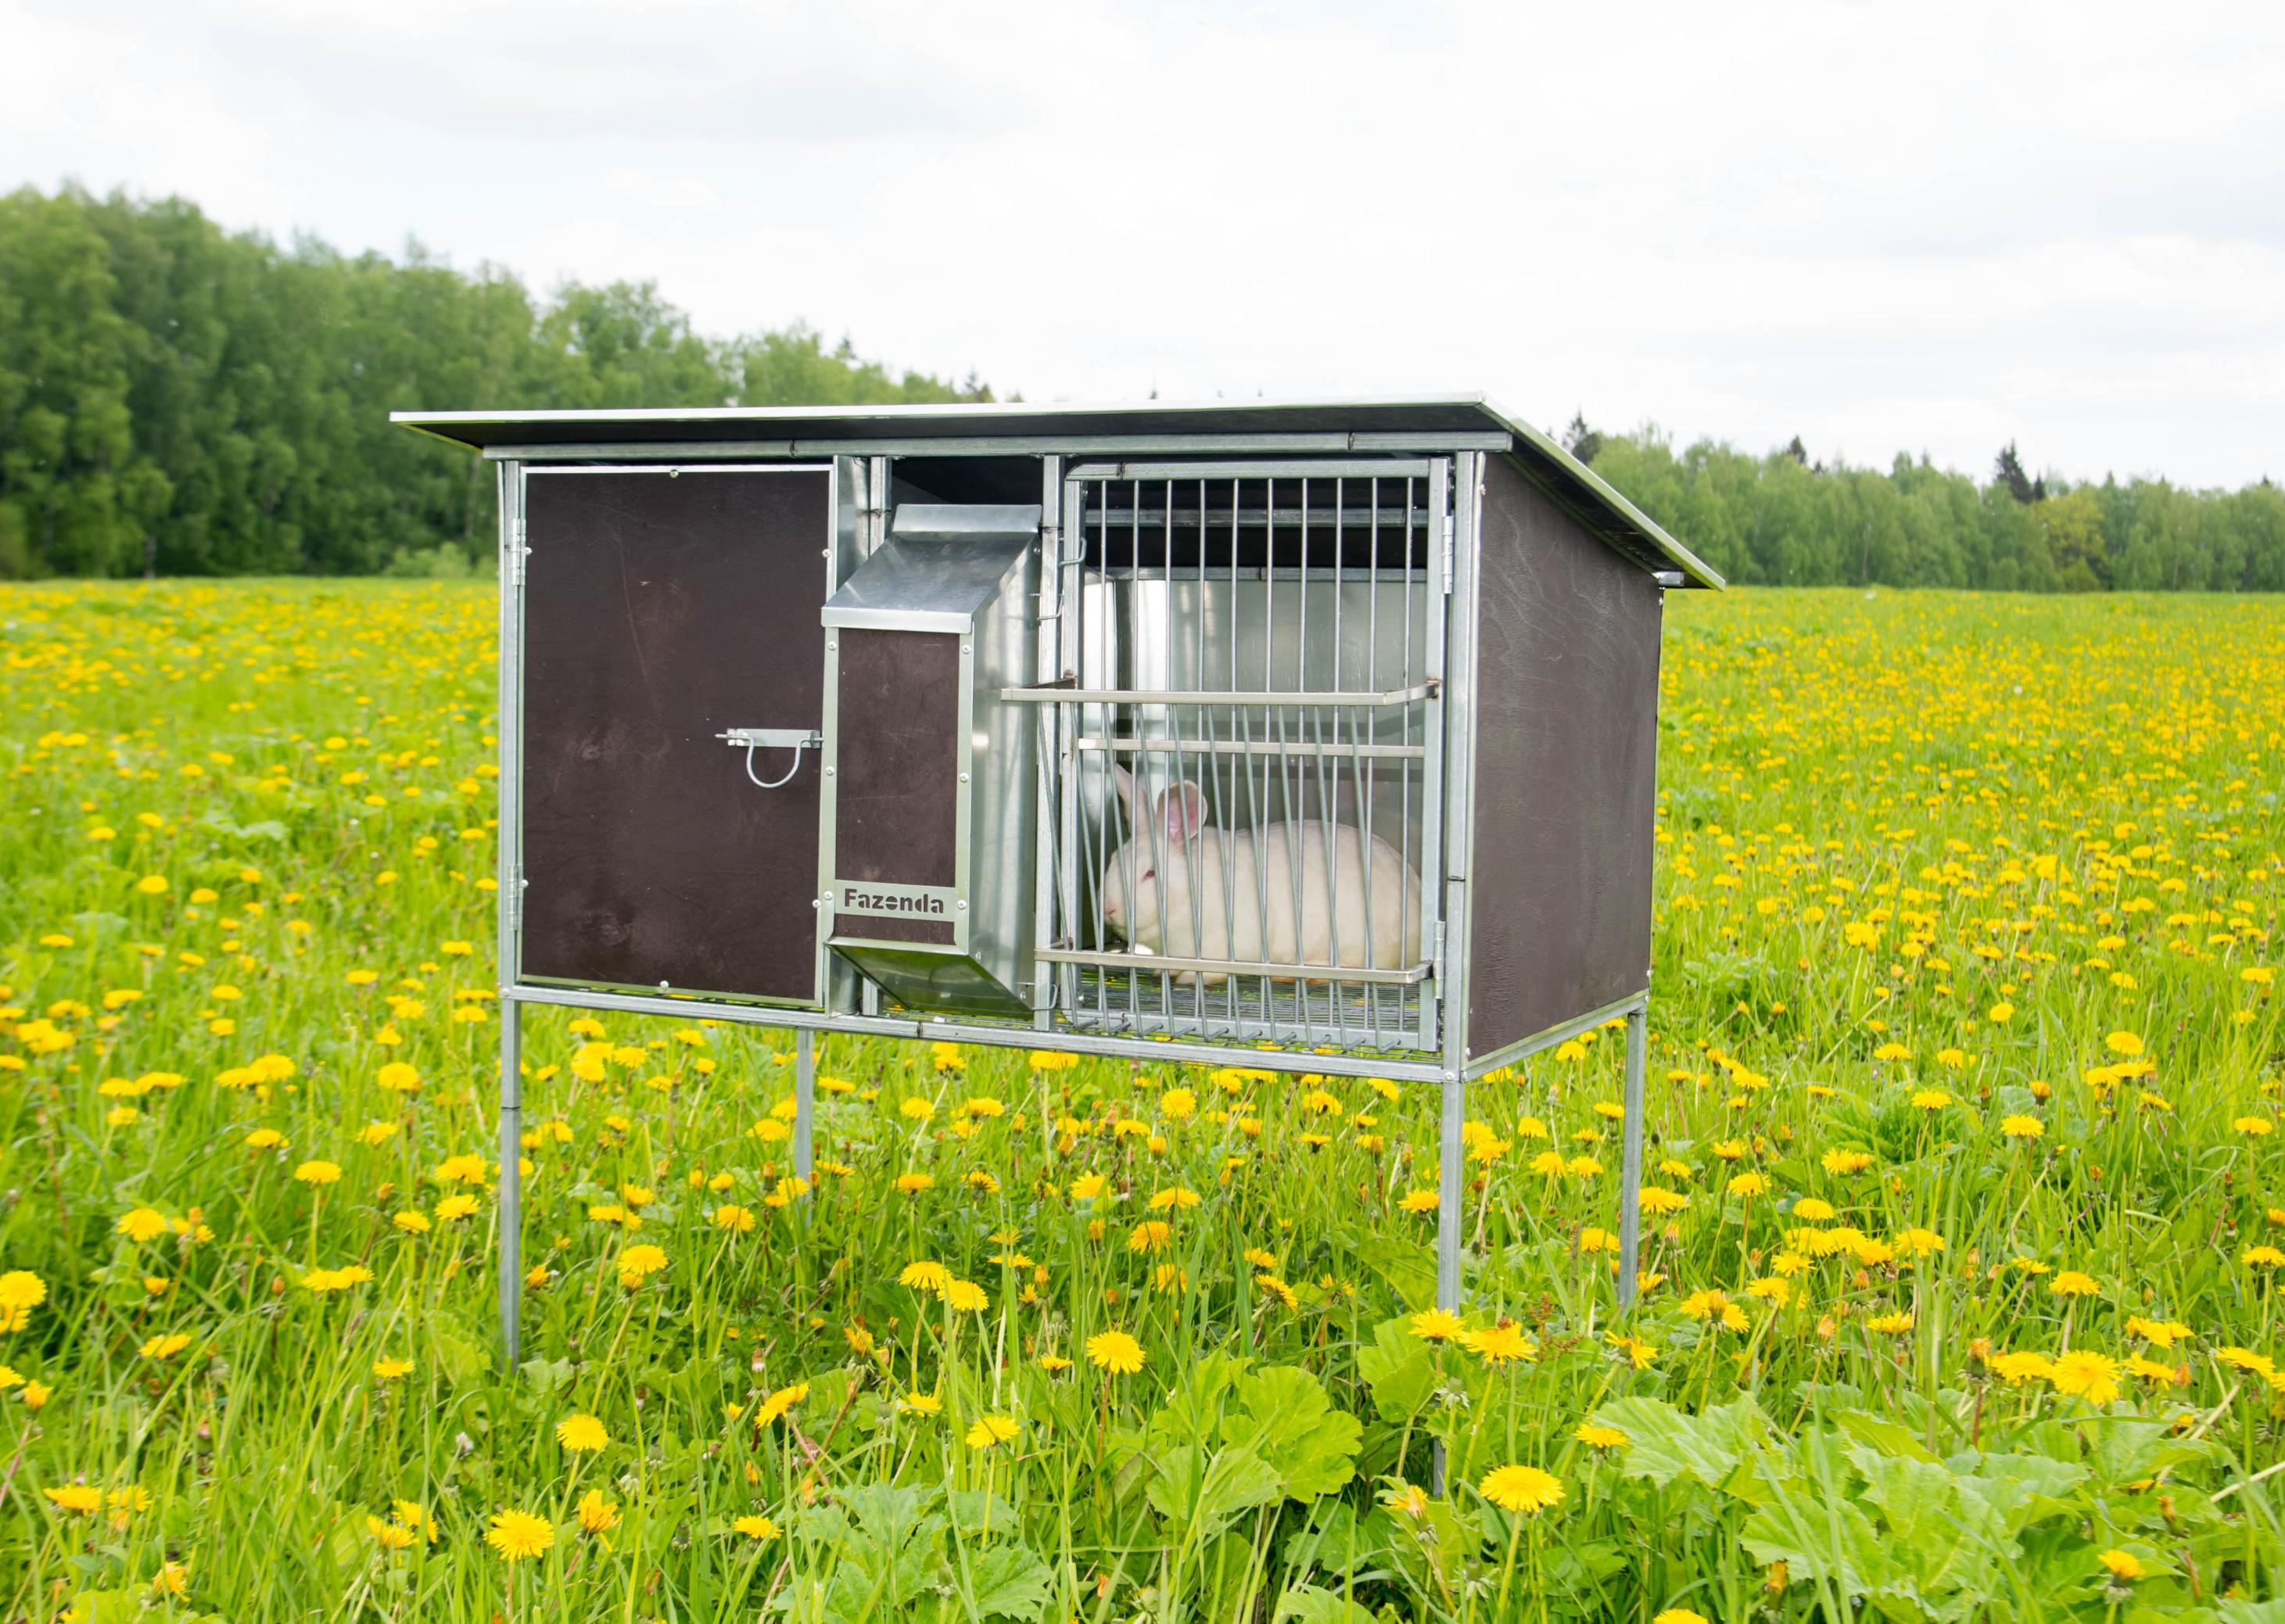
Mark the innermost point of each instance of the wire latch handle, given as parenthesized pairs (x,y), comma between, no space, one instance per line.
(752,739)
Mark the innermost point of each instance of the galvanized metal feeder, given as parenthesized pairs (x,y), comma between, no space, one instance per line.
(1317,735)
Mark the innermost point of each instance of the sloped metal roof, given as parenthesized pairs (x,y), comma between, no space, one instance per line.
(1447,422)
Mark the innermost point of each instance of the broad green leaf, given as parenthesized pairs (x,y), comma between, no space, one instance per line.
(1820,1539)
(1334,1539)
(2023,1488)
(1284,1414)
(1201,1491)
(1888,1437)
(1409,1267)
(1007,1582)
(974,1511)
(462,1360)
(548,1375)
(1948,1543)
(1308,1605)
(1664,1443)
(2123,1450)
(1399,1369)
(1192,1412)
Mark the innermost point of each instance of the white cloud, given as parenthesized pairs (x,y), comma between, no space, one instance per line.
(1915,225)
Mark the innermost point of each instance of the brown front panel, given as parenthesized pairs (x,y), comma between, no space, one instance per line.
(896,797)
(1566,736)
(659,611)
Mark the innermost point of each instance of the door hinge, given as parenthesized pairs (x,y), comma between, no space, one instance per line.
(515,900)
(1450,527)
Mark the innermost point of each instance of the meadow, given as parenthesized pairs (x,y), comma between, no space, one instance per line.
(1964,1201)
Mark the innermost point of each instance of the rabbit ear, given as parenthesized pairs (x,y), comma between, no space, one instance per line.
(1122,781)
(1185,809)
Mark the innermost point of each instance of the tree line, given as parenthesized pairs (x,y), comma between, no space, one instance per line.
(1782,519)
(177,399)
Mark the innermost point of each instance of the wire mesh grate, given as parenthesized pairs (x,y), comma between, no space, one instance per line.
(1248,751)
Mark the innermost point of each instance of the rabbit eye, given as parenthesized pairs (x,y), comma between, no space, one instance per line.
(1150,873)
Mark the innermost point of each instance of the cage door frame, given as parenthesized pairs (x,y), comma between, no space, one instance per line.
(1427,485)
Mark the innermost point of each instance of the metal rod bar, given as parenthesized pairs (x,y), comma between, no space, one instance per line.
(1389,467)
(1257,699)
(1523,1049)
(1014,1036)
(1450,1182)
(1452,808)
(1235,747)
(1630,1159)
(1165,964)
(1195,518)
(507,727)
(511,1186)
(996,445)
(805,1099)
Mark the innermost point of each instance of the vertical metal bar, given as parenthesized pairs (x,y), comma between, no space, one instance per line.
(1450,504)
(805,1099)
(1457,613)
(1048,619)
(507,727)
(1073,536)
(1631,1160)
(511,1182)
(1455,815)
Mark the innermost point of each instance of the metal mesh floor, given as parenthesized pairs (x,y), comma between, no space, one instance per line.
(1370,1019)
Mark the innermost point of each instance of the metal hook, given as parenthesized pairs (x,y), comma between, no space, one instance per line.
(774,784)
(794,739)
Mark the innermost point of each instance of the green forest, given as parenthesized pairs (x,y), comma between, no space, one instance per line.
(179,399)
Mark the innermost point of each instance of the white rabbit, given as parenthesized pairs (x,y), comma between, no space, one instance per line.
(1188,891)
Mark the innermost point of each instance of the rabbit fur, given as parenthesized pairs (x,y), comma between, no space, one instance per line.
(1182,888)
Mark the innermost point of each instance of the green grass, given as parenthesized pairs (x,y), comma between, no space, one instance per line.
(1928,863)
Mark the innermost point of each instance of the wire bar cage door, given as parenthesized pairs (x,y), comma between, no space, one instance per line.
(1247,750)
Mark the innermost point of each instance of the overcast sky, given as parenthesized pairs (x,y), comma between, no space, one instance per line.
(1893,224)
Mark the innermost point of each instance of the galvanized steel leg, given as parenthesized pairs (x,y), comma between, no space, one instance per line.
(1631,1162)
(510,1180)
(805,1098)
(1450,1172)
(1450,1218)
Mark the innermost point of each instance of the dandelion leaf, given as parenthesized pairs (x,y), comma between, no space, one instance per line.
(1284,1414)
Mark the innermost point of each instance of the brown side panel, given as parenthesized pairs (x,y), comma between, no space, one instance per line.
(896,738)
(1566,706)
(659,611)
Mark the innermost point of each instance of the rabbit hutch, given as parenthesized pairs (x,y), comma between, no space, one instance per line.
(1315,737)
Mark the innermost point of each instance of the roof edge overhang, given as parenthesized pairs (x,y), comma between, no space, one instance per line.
(1457,422)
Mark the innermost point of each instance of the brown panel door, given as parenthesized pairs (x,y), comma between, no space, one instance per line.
(658,611)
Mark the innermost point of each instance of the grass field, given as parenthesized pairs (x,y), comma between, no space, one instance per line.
(1963,1223)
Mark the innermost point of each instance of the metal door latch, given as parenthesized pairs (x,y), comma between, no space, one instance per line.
(794,739)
